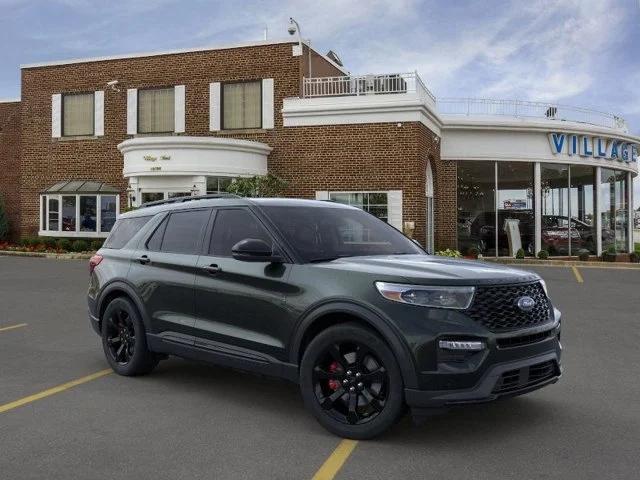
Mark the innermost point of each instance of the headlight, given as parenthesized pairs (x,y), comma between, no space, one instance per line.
(457,298)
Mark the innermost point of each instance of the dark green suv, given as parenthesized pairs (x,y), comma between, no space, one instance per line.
(321,294)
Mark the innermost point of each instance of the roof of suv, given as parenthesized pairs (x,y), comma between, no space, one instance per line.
(218,200)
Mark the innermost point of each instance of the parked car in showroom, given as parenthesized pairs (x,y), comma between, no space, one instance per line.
(325,295)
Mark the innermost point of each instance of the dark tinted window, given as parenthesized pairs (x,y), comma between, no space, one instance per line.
(155,241)
(232,226)
(184,231)
(326,233)
(124,230)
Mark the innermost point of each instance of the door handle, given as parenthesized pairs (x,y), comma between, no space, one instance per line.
(212,269)
(144,260)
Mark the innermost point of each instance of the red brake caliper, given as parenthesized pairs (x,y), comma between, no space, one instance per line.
(334,384)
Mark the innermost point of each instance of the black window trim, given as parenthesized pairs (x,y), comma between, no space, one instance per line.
(235,82)
(93,117)
(258,215)
(162,87)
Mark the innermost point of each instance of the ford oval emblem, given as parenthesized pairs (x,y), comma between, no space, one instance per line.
(526,304)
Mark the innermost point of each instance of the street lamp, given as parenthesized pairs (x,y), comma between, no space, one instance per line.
(294,27)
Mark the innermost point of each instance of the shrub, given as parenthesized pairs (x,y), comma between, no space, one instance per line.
(634,257)
(473,252)
(4,222)
(64,244)
(79,246)
(258,186)
(449,253)
(49,242)
(520,254)
(610,254)
(583,254)
(96,244)
(543,254)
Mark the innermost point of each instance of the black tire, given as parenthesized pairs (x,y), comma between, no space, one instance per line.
(124,340)
(361,355)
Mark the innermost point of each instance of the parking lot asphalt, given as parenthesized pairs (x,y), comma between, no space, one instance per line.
(188,420)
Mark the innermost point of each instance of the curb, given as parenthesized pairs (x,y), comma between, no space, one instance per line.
(57,256)
(563,263)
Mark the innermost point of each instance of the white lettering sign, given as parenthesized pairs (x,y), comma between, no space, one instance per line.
(590,146)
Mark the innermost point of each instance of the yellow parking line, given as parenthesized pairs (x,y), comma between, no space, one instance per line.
(334,463)
(52,391)
(577,274)
(11,327)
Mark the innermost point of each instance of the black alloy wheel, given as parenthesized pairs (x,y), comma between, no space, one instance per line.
(124,339)
(351,382)
(121,336)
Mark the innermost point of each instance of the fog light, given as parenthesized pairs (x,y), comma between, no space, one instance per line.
(461,345)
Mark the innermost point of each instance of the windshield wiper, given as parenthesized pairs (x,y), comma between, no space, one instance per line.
(327,259)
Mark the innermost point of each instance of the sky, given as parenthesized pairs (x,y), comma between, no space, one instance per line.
(575,52)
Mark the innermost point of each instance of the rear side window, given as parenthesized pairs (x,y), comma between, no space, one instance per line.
(124,230)
(184,231)
(232,226)
(155,241)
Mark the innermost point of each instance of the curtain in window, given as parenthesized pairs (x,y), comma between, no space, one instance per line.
(242,105)
(77,114)
(156,110)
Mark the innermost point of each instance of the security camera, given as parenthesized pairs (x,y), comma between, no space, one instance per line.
(112,85)
(291,29)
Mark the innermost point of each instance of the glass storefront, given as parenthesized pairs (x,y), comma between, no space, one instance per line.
(496,207)
(614,210)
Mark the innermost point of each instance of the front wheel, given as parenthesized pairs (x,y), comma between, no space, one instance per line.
(124,341)
(351,382)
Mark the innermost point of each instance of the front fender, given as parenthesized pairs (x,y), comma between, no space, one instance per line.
(374,319)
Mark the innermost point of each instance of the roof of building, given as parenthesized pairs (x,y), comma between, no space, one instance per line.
(81,186)
(176,52)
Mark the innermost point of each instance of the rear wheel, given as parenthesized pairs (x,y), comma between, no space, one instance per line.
(124,341)
(351,382)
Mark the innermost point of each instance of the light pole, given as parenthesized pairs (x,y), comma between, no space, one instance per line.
(294,27)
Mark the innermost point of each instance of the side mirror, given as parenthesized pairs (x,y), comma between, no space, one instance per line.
(254,250)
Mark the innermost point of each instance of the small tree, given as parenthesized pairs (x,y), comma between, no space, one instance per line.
(4,221)
(258,186)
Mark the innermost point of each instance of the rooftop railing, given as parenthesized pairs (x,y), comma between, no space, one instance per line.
(526,109)
(357,85)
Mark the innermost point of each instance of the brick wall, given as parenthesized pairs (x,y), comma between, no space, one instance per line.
(10,162)
(340,157)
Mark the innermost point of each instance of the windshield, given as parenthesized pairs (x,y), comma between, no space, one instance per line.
(323,234)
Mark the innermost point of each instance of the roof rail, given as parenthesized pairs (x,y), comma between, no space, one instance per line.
(188,199)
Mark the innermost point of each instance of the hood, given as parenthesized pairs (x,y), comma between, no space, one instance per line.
(431,270)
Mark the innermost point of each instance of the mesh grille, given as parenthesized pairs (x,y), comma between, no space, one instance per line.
(514,380)
(496,308)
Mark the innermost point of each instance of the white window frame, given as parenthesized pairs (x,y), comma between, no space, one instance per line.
(44,223)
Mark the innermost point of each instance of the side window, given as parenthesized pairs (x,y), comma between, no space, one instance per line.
(184,230)
(123,231)
(155,241)
(233,225)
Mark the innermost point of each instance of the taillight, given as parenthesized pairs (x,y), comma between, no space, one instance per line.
(94,262)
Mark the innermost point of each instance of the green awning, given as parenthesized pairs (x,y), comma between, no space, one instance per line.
(82,187)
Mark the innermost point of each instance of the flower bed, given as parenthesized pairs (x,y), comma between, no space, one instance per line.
(51,245)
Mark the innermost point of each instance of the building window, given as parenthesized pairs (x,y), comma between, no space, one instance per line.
(477,207)
(516,218)
(242,105)
(78,114)
(614,210)
(218,184)
(79,214)
(156,110)
(376,203)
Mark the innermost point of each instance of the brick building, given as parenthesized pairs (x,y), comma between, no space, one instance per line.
(91,136)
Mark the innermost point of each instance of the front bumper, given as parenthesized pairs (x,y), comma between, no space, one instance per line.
(500,380)
(95,323)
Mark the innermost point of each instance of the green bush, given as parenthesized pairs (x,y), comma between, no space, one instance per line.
(520,254)
(449,253)
(79,246)
(634,257)
(96,244)
(258,186)
(49,242)
(4,222)
(64,244)
(583,254)
(543,254)
(473,252)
